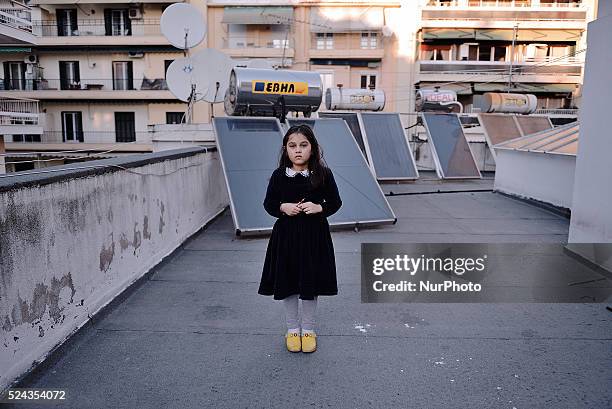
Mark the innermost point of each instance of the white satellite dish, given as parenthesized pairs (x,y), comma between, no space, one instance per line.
(182,77)
(183,25)
(213,68)
(387,31)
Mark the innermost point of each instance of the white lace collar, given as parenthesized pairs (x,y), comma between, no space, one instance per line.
(291,173)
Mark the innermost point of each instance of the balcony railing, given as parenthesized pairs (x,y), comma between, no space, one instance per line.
(526,67)
(97,137)
(88,84)
(249,42)
(51,28)
(502,3)
(19,18)
(18,111)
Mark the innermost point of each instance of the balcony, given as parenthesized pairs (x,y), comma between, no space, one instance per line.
(16,23)
(99,32)
(501,14)
(19,116)
(504,3)
(239,46)
(528,66)
(89,88)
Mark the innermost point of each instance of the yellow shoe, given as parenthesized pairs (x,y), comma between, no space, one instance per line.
(309,342)
(294,343)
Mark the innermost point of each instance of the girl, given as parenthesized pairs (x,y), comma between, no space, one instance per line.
(300,258)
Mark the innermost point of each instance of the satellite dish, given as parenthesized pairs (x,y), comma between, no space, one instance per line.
(182,76)
(387,31)
(212,67)
(183,25)
(258,63)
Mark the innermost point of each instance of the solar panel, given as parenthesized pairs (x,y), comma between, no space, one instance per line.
(387,147)
(450,148)
(532,124)
(363,201)
(498,128)
(249,148)
(352,120)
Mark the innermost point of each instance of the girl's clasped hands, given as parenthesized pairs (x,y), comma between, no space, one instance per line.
(291,209)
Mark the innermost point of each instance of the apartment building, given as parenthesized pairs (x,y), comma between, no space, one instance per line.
(470,46)
(96,72)
(92,75)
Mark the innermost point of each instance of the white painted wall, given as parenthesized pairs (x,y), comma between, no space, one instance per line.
(591,219)
(541,176)
(70,247)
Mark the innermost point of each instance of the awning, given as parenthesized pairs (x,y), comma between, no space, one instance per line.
(15,50)
(460,88)
(345,20)
(522,87)
(501,34)
(257,15)
(448,33)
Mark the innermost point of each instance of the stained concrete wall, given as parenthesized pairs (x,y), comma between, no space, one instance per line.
(541,176)
(591,215)
(71,241)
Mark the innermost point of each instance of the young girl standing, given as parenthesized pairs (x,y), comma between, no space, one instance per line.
(300,261)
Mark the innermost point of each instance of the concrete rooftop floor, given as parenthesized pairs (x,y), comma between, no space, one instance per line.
(196,333)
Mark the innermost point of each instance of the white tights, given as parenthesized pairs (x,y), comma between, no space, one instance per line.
(309,308)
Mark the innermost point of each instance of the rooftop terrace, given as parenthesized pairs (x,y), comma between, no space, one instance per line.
(195,333)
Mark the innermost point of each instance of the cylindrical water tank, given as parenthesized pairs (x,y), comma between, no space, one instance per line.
(255,91)
(354,98)
(509,103)
(436,100)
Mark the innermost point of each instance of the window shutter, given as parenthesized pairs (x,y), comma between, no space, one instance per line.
(79,130)
(128,22)
(7,76)
(108,23)
(130,78)
(77,72)
(73,21)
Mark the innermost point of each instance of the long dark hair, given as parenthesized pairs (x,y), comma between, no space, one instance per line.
(316,163)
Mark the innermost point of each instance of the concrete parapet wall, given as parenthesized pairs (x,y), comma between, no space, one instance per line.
(72,240)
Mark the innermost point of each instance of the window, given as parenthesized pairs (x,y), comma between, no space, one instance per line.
(72,126)
(174,117)
(26,138)
(69,75)
(67,22)
(117,22)
(325,41)
(368,81)
(125,127)
(123,77)
(484,53)
(14,75)
(499,53)
(435,52)
(327,80)
(369,40)
(166,65)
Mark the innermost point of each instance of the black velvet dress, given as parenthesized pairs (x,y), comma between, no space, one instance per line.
(300,256)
